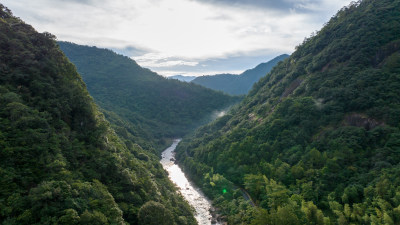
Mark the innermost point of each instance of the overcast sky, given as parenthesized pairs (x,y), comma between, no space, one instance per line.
(189,37)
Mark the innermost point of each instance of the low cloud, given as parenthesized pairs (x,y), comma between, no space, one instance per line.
(233,63)
(131,51)
(159,60)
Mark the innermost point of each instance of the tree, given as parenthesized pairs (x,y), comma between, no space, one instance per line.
(154,213)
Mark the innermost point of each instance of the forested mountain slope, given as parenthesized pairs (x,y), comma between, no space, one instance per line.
(238,84)
(154,106)
(318,140)
(60,162)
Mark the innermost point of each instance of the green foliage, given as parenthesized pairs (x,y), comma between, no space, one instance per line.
(145,105)
(60,161)
(154,213)
(238,84)
(317,140)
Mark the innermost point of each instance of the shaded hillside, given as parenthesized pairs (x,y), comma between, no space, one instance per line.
(238,84)
(318,140)
(155,106)
(60,162)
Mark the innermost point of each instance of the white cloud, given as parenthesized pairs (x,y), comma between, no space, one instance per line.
(184,32)
(158,60)
(168,73)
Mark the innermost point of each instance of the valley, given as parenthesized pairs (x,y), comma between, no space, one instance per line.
(89,136)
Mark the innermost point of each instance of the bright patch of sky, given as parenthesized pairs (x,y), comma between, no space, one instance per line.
(189,37)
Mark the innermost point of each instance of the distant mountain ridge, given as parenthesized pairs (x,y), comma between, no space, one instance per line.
(238,84)
(182,78)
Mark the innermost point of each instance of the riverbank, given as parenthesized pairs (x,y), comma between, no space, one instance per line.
(204,212)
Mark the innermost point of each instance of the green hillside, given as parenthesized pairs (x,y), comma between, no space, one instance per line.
(238,84)
(153,106)
(318,140)
(60,162)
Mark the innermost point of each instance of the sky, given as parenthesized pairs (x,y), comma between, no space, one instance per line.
(187,37)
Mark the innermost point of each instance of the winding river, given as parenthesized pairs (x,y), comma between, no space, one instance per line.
(191,193)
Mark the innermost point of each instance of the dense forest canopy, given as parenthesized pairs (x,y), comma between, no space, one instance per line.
(147,105)
(317,141)
(238,84)
(60,162)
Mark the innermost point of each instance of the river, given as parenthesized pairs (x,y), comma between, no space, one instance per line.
(191,193)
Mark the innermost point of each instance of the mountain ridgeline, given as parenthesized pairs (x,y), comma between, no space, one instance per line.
(317,141)
(60,162)
(182,78)
(238,84)
(145,104)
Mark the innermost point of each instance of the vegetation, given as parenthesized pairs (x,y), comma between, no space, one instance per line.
(317,141)
(149,107)
(238,84)
(60,162)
